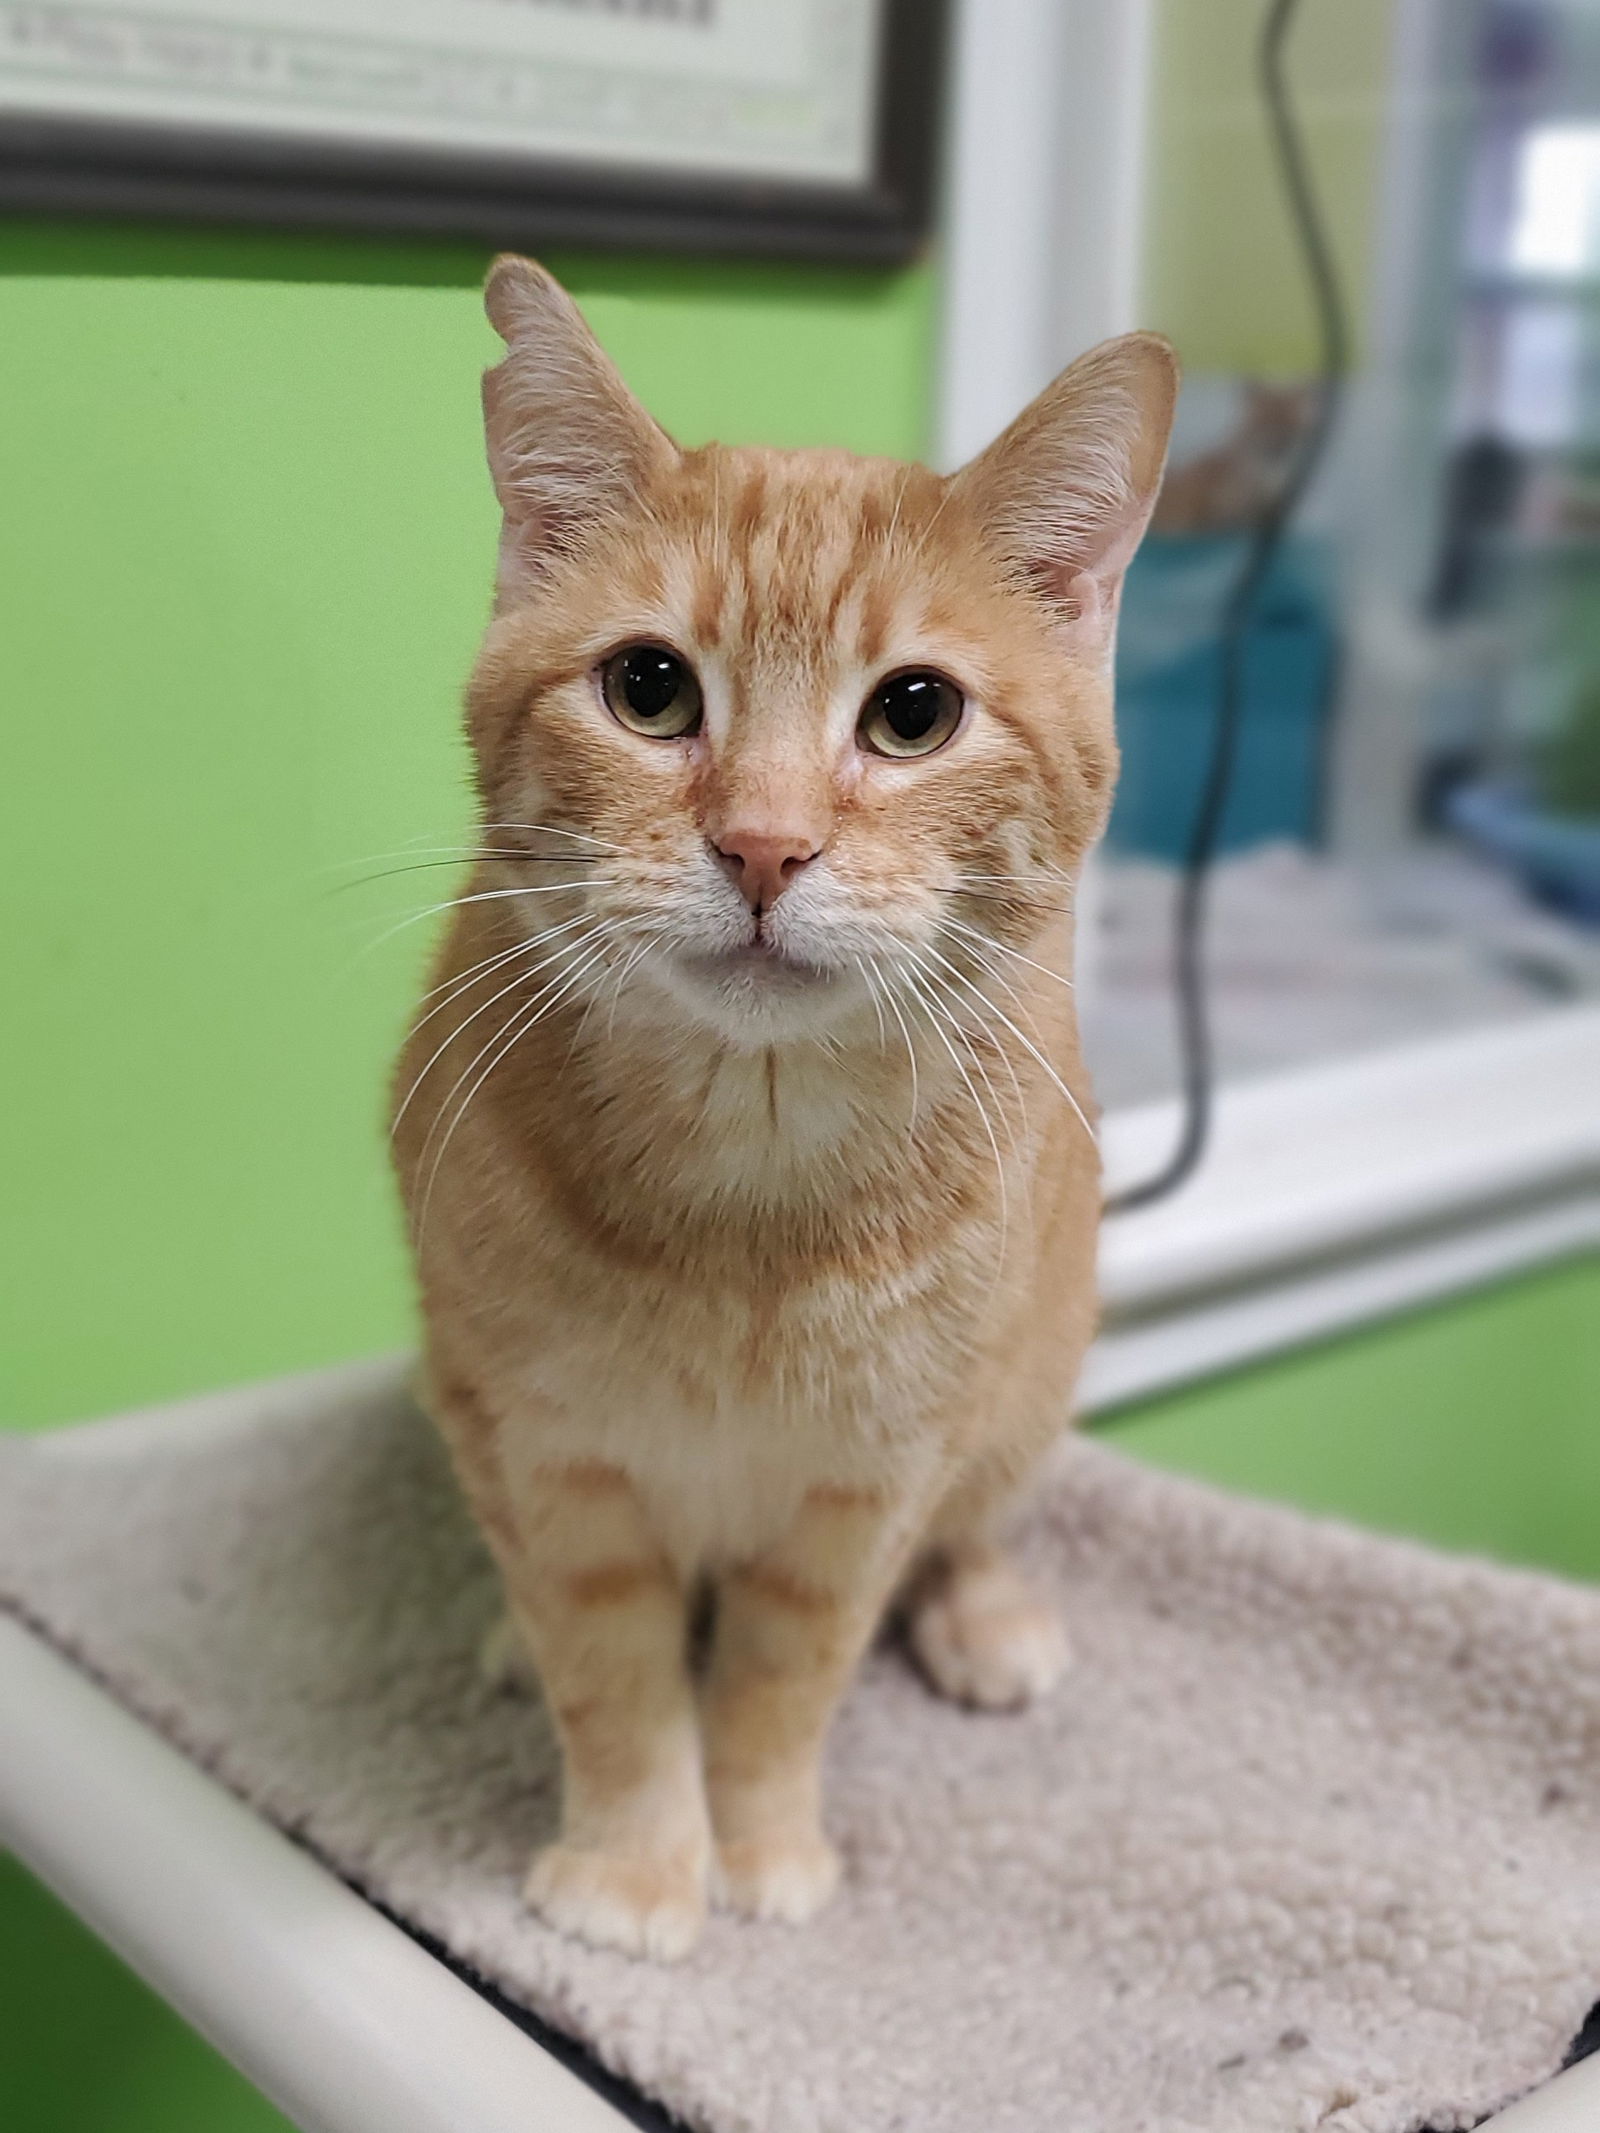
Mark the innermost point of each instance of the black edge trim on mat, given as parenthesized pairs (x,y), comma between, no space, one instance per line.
(1584,2045)
(577,2058)
(1587,2042)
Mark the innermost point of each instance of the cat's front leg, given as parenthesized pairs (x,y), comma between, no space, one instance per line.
(603,1615)
(791,1623)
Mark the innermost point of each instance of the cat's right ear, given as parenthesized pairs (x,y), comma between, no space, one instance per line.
(1065,493)
(568,443)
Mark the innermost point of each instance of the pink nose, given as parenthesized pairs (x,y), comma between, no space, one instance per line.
(761,863)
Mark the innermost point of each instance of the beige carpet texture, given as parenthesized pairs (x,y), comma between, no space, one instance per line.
(1309,1839)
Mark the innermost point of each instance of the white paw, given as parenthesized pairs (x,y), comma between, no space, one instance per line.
(784,1878)
(503,1661)
(646,1907)
(986,1638)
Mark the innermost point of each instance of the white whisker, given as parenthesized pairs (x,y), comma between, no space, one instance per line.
(872,994)
(922,538)
(444,854)
(569,949)
(1003,1053)
(911,1050)
(937,1022)
(463,859)
(653,929)
(419,854)
(522,1020)
(1016,955)
(549,829)
(522,977)
(945,992)
(1053,877)
(451,987)
(1026,1042)
(899,500)
(637,956)
(479,896)
(992,970)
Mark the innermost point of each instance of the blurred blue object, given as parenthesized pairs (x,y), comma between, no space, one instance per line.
(1168,678)
(1556,856)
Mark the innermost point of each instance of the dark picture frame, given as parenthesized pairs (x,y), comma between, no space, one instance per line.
(80,166)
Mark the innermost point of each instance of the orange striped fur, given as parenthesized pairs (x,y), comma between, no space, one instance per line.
(755,1226)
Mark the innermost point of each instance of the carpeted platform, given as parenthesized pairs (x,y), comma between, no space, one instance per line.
(1309,1840)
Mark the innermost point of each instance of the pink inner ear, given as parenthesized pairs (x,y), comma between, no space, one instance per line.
(1079,596)
(1091,598)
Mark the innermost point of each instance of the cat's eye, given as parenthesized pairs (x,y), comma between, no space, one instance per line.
(910,714)
(651,691)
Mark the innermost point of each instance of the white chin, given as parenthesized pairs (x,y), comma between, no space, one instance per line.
(755,1002)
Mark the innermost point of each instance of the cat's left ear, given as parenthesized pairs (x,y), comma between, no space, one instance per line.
(1066,492)
(568,443)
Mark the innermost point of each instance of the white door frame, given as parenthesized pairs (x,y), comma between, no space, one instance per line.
(1043,200)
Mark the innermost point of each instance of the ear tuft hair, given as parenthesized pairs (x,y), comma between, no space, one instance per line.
(568,443)
(1066,492)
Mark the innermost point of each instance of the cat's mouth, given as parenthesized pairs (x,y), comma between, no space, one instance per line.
(757,992)
(757,963)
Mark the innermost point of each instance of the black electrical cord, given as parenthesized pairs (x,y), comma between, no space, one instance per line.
(1194,1023)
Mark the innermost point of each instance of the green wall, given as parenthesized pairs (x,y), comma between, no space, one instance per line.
(86,2048)
(1475,1425)
(245,551)
(1221,273)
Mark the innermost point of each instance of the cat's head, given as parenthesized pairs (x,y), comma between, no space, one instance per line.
(802,721)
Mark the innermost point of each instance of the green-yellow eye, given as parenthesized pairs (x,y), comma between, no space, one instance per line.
(651,691)
(910,714)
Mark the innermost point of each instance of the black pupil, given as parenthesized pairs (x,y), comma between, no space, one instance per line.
(912,704)
(651,680)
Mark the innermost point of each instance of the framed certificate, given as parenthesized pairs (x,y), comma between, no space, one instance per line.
(800,127)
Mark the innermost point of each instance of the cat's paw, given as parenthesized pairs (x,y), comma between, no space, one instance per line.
(504,1664)
(983,1636)
(642,1906)
(787,1877)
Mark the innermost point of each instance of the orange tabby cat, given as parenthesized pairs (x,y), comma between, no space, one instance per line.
(744,1135)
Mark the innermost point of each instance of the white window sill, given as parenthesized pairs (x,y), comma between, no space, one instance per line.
(1333,1194)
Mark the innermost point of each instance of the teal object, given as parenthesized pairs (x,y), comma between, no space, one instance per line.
(1169,675)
